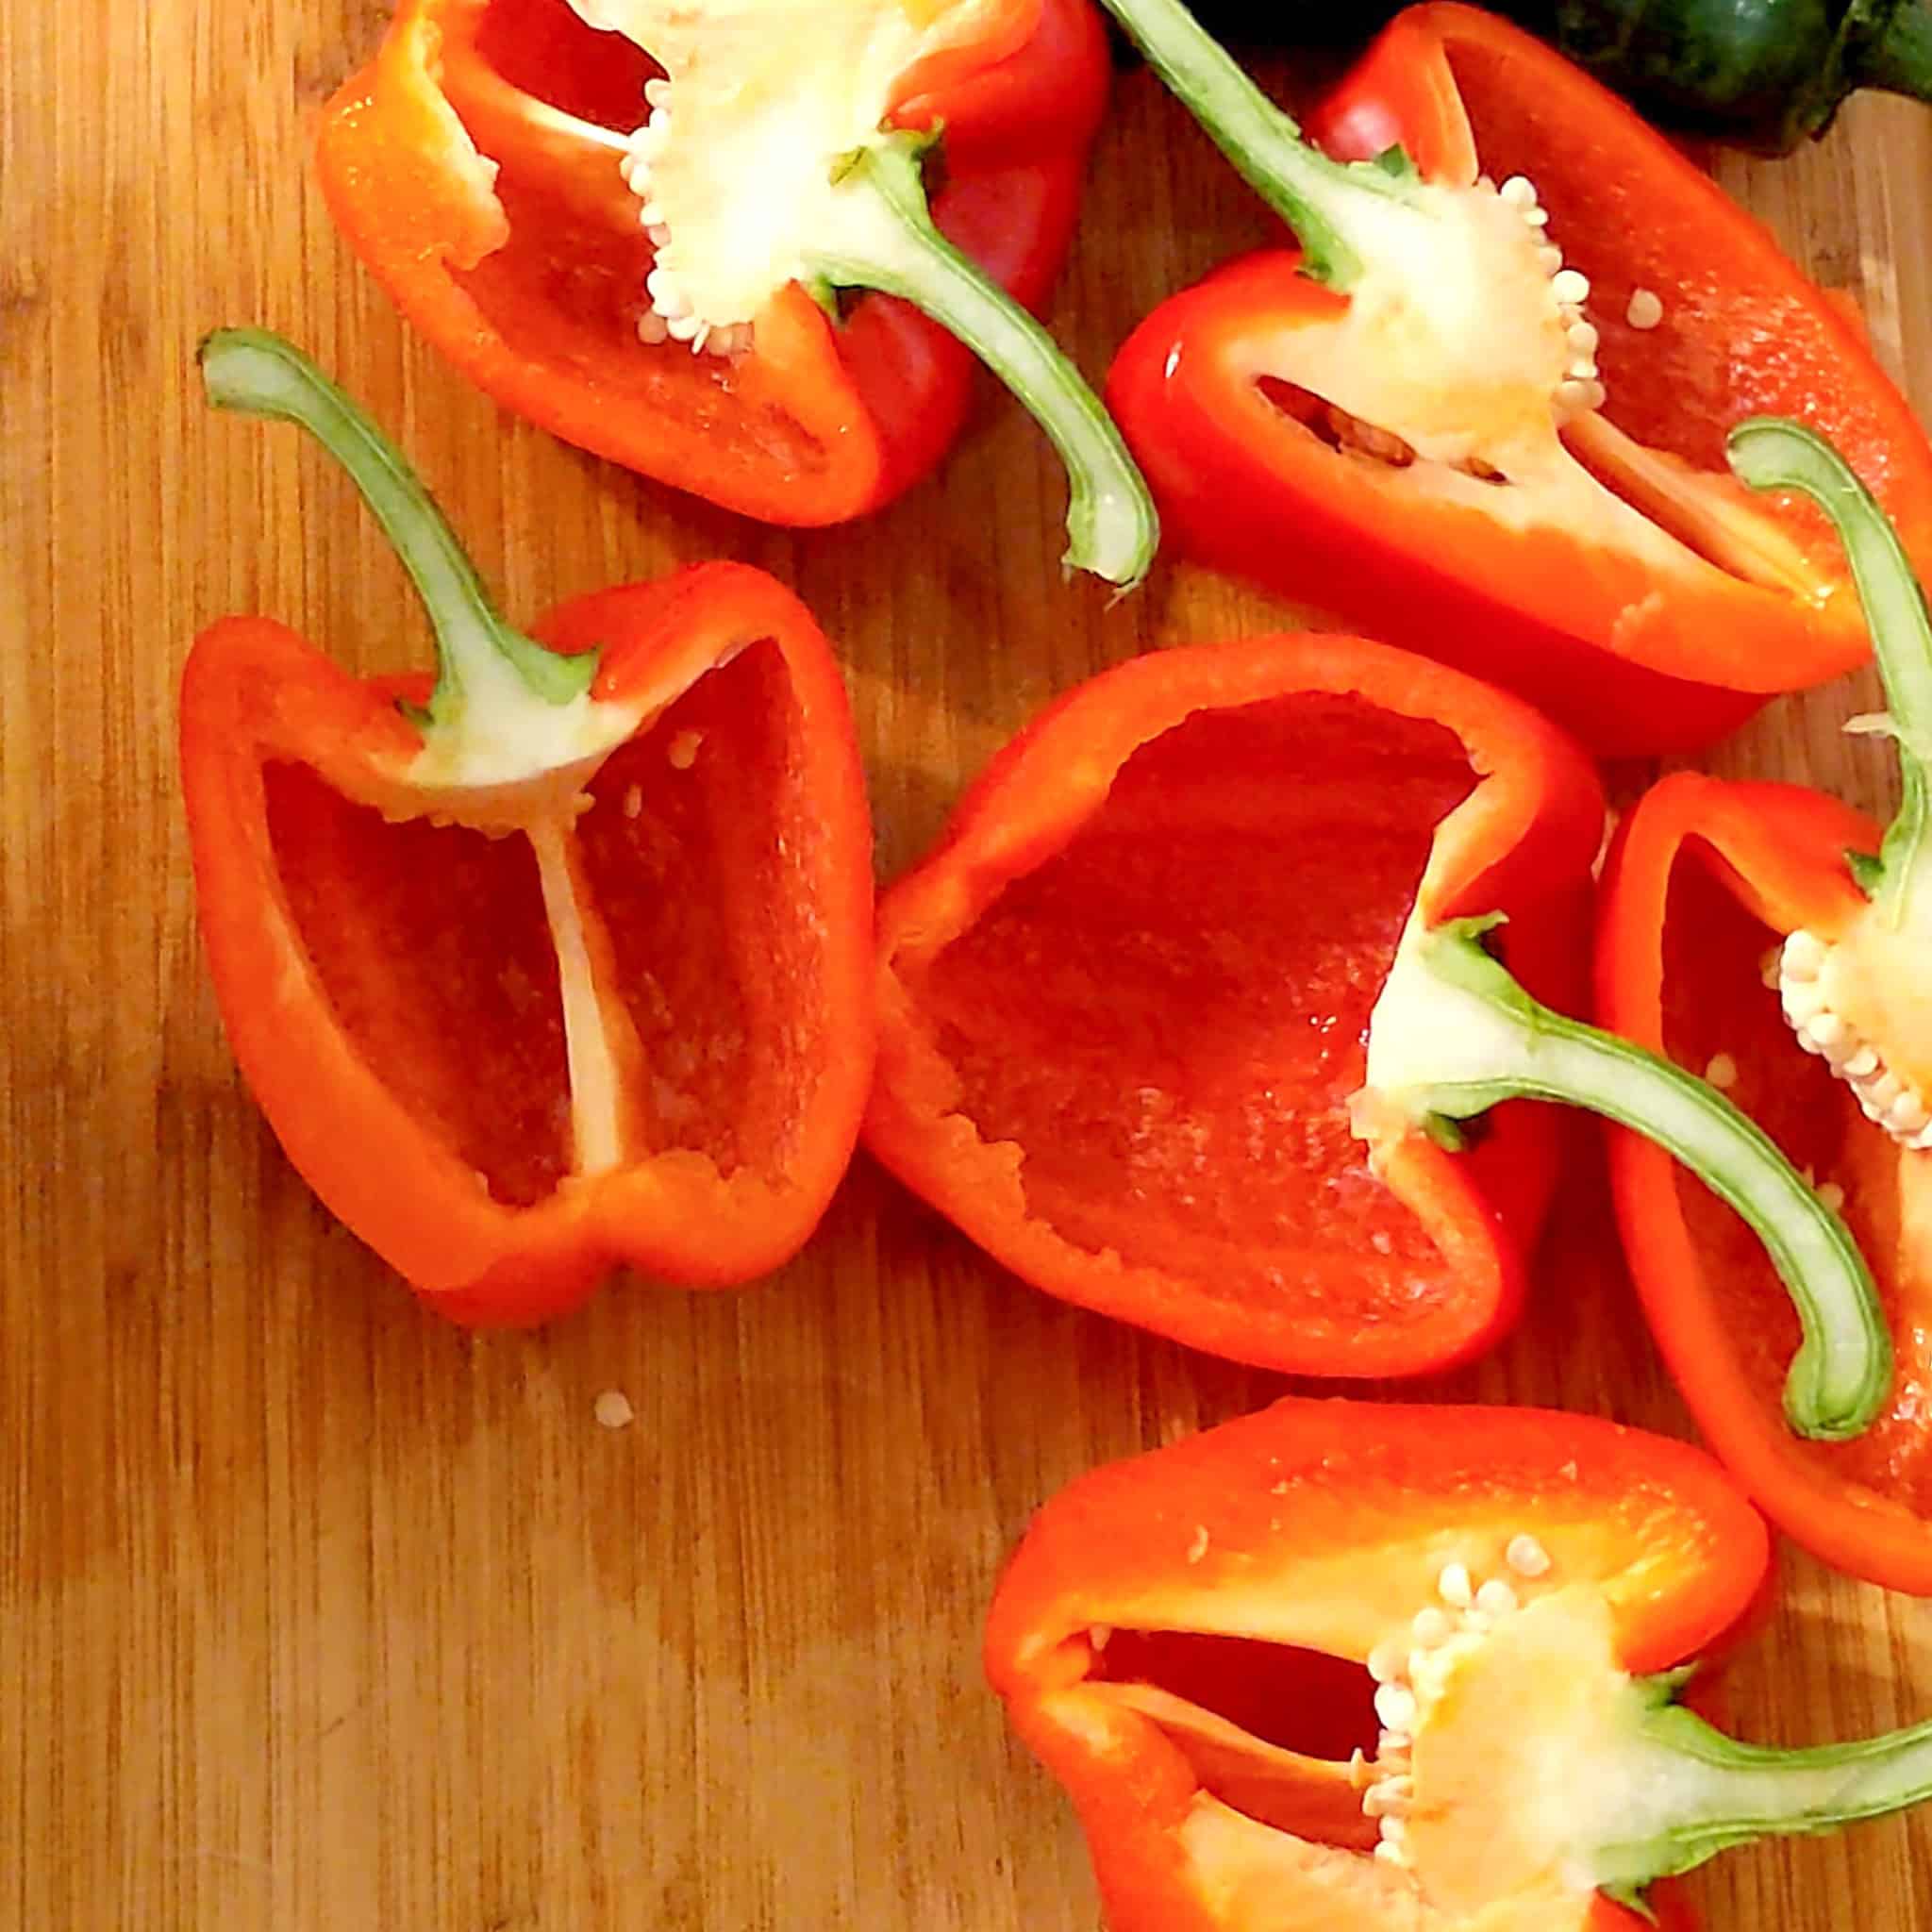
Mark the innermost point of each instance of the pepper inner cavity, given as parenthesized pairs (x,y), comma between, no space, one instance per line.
(595,78)
(1270,1729)
(1319,1746)
(701,852)
(507,1034)
(553,111)
(432,949)
(680,880)
(1349,435)
(1167,1017)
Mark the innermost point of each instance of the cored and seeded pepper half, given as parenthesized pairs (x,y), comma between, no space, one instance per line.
(557,962)
(1481,412)
(1176,1019)
(1122,1002)
(1404,1670)
(646,238)
(1742,922)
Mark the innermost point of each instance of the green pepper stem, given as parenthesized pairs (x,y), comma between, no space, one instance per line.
(258,373)
(886,241)
(1313,195)
(1715,1793)
(1770,452)
(1458,1034)
(1892,47)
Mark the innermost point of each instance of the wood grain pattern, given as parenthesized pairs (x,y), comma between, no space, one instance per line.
(316,1614)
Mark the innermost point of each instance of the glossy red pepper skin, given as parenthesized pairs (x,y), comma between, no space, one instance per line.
(1293,1538)
(451,167)
(1705,877)
(1121,1003)
(390,988)
(1631,661)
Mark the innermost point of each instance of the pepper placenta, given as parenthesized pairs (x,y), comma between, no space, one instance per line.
(1762,74)
(1743,923)
(1405,1668)
(1481,412)
(1123,1005)
(654,260)
(558,961)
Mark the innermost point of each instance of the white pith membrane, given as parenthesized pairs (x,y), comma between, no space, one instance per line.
(1454,1833)
(736,169)
(510,765)
(1840,1000)
(596,1087)
(1423,1032)
(1465,356)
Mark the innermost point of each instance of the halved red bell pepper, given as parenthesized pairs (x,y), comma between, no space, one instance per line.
(1723,904)
(1183,1018)
(558,962)
(1423,422)
(1403,1669)
(483,166)
(1122,1003)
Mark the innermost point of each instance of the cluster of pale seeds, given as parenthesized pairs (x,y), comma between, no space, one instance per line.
(1893,1103)
(1581,389)
(1409,1668)
(669,317)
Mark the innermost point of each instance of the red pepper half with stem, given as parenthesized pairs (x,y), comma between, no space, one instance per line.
(558,961)
(1425,422)
(1769,932)
(649,238)
(1174,1018)
(1405,1670)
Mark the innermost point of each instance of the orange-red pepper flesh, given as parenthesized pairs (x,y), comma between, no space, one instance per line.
(1315,1529)
(532,286)
(1122,1003)
(1745,333)
(1707,876)
(390,990)
(1585,631)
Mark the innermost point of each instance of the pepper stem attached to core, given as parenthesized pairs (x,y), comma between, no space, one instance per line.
(258,373)
(1768,453)
(885,240)
(1718,1792)
(1313,195)
(1453,1034)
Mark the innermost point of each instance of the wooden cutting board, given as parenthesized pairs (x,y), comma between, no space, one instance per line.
(315,1613)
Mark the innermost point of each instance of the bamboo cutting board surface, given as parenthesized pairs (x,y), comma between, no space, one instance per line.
(315,1613)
